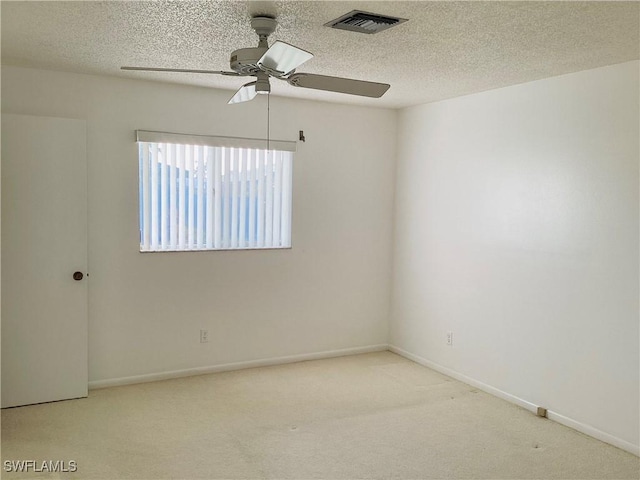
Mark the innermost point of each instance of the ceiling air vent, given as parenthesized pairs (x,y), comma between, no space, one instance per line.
(364,22)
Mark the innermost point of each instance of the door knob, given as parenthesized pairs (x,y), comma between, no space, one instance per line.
(77,276)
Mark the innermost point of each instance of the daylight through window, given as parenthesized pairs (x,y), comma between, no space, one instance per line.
(212,197)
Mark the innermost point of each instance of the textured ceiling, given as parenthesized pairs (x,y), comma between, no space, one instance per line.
(446,49)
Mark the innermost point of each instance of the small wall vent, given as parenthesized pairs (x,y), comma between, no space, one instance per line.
(364,22)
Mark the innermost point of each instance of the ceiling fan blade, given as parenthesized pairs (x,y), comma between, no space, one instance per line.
(282,58)
(179,70)
(244,94)
(338,84)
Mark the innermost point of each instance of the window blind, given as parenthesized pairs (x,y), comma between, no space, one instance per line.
(200,193)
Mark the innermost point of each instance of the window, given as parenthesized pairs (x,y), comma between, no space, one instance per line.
(213,193)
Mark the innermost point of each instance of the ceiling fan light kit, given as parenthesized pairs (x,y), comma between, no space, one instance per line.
(263,87)
(279,61)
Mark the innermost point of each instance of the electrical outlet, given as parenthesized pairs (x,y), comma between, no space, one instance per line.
(450,339)
(204,336)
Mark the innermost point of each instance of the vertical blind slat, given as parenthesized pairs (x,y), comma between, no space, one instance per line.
(146,198)
(252,197)
(226,215)
(192,210)
(268,211)
(200,196)
(261,196)
(154,196)
(285,231)
(164,214)
(210,192)
(235,187)
(217,243)
(242,232)
(173,207)
(277,198)
(182,197)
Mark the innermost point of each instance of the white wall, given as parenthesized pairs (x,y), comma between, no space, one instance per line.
(331,291)
(517,229)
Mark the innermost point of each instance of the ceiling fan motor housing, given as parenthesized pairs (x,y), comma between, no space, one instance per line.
(245,60)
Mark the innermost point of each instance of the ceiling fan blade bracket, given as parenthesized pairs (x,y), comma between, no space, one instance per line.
(281,59)
(273,72)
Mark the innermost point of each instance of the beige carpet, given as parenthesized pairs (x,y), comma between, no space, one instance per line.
(366,416)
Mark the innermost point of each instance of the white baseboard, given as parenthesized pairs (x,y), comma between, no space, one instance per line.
(154,377)
(463,378)
(594,432)
(556,417)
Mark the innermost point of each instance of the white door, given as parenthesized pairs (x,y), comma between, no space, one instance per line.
(44,241)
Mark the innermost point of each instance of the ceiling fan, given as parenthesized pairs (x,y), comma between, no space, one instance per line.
(280,61)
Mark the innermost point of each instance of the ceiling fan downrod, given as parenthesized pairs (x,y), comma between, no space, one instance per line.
(263,26)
